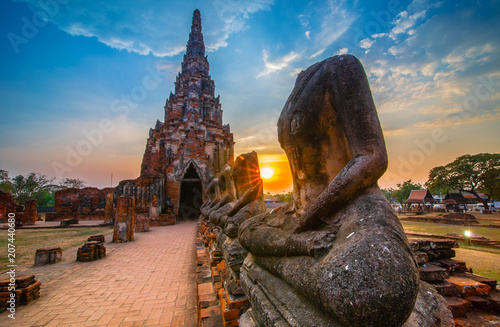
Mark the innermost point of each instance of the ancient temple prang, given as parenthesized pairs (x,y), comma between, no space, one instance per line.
(185,151)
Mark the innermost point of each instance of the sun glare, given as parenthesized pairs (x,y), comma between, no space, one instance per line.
(267,172)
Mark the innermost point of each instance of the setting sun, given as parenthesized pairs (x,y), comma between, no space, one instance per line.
(267,172)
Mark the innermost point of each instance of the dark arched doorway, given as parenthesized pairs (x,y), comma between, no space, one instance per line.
(190,195)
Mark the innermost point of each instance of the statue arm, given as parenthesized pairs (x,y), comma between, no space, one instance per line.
(250,195)
(349,93)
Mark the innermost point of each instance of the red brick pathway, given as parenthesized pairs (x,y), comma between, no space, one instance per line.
(147,282)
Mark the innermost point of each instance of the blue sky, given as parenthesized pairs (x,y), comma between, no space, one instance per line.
(433,67)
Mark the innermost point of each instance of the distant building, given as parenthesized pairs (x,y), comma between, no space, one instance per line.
(455,202)
(420,197)
(273,202)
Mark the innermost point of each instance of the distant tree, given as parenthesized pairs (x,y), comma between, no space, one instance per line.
(388,192)
(490,183)
(32,186)
(468,173)
(403,190)
(5,183)
(72,183)
(285,197)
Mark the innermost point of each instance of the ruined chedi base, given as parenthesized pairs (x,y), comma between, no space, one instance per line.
(337,255)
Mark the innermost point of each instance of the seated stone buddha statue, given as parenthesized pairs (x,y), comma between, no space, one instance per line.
(212,198)
(337,255)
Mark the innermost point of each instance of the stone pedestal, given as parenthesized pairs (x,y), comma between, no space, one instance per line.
(48,255)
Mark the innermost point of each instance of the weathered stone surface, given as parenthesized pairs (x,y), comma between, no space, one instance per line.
(7,205)
(27,290)
(432,244)
(48,256)
(458,306)
(109,215)
(468,287)
(432,273)
(431,309)
(445,288)
(484,280)
(30,214)
(452,265)
(91,251)
(84,204)
(124,220)
(141,223)
(339,247)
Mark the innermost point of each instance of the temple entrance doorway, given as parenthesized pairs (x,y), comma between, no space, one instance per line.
(190,195)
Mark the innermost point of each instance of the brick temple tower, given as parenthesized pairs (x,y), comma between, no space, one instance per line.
(190,147)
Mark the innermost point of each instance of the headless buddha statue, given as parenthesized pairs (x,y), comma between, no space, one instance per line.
(339,245)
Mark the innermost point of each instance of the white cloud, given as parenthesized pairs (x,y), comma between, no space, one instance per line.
(342,51)
(317,53)
(366,43)
(307,34)
(335,23)
(404,22)
(295,72)
(278,63)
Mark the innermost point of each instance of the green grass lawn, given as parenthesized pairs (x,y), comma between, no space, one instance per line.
(490,233)
(483,263)
(28,240)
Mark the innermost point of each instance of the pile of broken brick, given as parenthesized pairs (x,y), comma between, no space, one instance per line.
(26,289)
(92,250)
(474,300)
(216,306)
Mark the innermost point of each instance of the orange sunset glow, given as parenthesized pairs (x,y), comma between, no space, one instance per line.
(275,173)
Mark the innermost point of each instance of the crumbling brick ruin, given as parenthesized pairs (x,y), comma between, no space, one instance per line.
(82,204)
(185,151)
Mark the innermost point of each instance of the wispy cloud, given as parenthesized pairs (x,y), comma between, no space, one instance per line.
(135,26)
(337,20)
(277,64)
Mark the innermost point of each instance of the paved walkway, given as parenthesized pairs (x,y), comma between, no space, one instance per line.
(147,282)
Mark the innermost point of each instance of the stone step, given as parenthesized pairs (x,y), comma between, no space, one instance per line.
(431,244)
(479,303)
(431,273)
(452,265)
(468,287)
(445,288)
(458,306)
(485,280)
